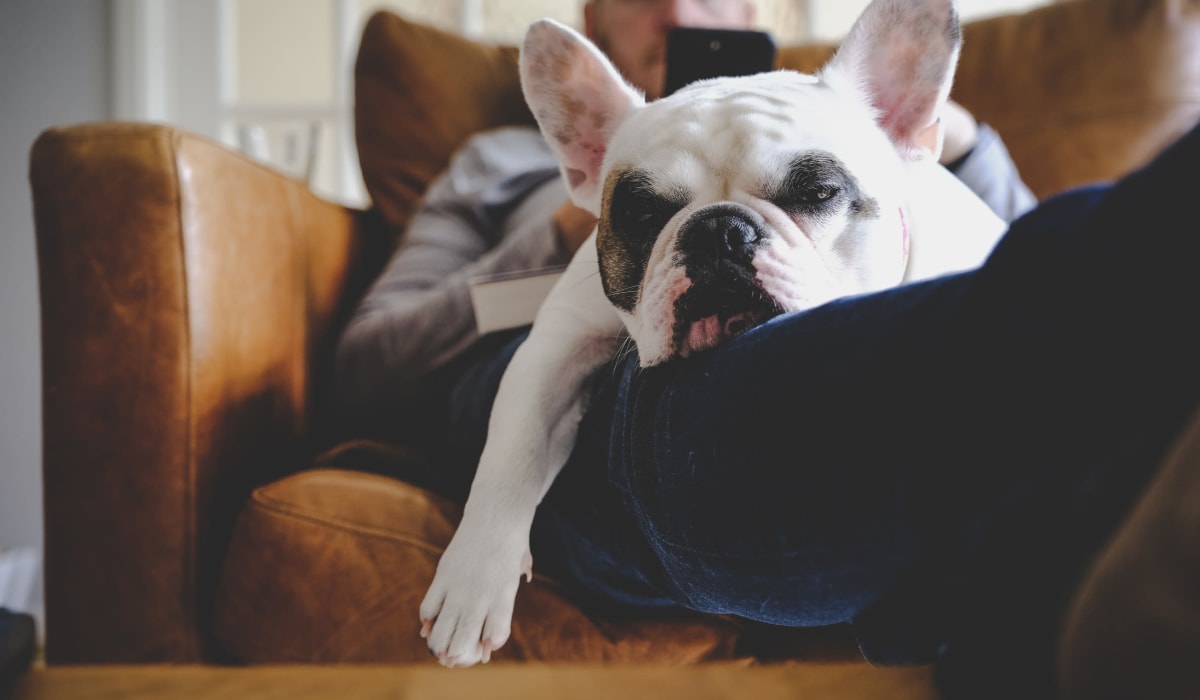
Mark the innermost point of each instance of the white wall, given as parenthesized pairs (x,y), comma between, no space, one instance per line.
(53,70)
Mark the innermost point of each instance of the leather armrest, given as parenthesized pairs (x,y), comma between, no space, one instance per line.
(188,297)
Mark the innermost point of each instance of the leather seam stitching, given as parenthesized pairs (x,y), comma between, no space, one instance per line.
(279,507)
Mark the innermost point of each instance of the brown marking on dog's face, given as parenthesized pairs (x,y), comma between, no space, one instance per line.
(620,278)
(632,216)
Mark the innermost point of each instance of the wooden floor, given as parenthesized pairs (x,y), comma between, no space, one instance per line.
(518,682)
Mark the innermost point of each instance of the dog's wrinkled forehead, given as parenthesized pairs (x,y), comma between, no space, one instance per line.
(739,132)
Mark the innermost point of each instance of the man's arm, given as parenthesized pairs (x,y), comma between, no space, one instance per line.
(990,173)
(976,155)
(490,212)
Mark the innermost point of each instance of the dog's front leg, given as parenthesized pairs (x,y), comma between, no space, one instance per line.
(467,612)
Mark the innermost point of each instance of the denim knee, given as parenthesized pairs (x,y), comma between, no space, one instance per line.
(734,529)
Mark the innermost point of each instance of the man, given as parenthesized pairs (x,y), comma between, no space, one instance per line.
(501,207)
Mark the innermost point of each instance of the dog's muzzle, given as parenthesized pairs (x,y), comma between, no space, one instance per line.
(716,249)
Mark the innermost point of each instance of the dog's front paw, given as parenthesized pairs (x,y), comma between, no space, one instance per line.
(467,613)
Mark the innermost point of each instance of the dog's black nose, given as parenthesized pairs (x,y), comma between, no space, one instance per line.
(720,235)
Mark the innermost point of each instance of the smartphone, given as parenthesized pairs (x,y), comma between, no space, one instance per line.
(695,54)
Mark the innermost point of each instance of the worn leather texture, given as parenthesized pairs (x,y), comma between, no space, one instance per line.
(190,299)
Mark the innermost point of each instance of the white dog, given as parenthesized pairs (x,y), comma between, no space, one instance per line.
(726,203)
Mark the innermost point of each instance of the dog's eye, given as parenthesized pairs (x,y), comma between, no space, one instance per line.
(815,194)
(820,193)
(815,184)
(813,198)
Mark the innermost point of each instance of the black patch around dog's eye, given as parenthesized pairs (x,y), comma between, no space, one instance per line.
(817,183)
(635,213)
(638,212)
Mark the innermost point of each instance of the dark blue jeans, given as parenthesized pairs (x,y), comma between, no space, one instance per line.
(934,463)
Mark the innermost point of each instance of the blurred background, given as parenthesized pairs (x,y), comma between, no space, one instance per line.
(268,77)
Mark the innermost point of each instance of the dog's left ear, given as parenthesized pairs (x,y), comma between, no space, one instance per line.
(579,100)
(900,57)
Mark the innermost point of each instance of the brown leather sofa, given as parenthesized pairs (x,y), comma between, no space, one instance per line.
(199,509)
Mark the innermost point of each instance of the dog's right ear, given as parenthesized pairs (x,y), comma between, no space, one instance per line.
(578,98)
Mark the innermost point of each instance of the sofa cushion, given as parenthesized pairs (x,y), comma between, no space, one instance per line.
(419,93)
(330,566)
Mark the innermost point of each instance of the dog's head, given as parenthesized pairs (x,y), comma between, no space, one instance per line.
(736,199)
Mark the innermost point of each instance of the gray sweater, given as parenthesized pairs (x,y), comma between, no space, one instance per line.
(490,212)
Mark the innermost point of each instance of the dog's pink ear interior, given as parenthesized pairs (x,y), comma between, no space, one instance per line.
(579,100)
(900,57)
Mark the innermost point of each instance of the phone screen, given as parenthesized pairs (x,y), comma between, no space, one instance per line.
(696,54)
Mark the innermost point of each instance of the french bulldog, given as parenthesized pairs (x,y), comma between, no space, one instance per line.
(720,206)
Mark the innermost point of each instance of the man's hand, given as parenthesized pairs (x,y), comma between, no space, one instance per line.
(960,131)
(573,225)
